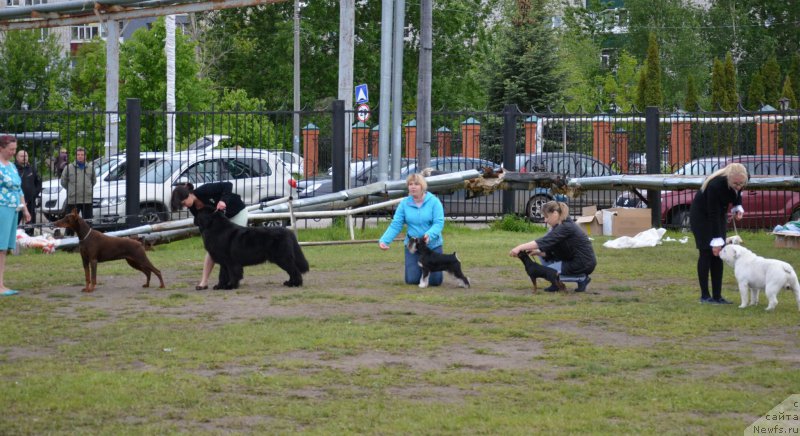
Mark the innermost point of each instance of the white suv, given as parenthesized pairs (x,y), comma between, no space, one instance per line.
(256,175)
(107,169)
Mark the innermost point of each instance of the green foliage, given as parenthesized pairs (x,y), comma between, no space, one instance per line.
(677,26)
(236,44)
(691,103)
(514,223)
(729,85)
(771,72)
(650,92)
(718,86)
(579,67)
(794,71)
(143,67)
(88,78)
(33,72)
(526,72)
(755,93)
(251,127)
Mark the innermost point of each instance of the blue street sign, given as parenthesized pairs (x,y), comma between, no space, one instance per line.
(362,94)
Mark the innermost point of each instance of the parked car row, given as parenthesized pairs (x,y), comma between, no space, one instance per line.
(767,208)
(257,175)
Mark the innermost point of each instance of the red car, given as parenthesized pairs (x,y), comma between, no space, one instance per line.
(763,209)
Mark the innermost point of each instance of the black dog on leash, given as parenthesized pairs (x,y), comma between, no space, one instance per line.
(536,271)
(431,261)
(233,247)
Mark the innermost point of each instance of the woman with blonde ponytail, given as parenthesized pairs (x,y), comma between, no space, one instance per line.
(708,220)
(565,248)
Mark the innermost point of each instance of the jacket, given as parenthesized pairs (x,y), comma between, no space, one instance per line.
(427,219)
(211,193)
(78,183)
(567,243)
(31,182)
(709,212)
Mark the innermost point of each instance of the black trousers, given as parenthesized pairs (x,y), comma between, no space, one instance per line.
(31,205)
(708,263)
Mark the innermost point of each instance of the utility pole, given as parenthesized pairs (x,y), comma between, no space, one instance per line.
(112,88)
(424,85)
(347,24)
(397,84)
(385,102)
(296,112)
(170,53)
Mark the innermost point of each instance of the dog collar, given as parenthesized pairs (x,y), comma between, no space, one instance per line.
(87,234)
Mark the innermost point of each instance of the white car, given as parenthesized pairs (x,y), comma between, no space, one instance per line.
(107,169)
(292,160)
(256,175)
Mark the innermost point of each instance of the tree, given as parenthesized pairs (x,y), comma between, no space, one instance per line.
(650,92)
(677,26)
(143,67)
(755,92)
(771,72)
(237,42)
(729,84)
(32,69)
(691,103)
(794,71)
(526,74)
(718,94)
(88,78)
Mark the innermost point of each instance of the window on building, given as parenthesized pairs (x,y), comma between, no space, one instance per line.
(25,2)
(85,33)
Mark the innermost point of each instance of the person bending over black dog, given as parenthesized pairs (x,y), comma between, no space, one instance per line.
(217,196)
(565,248)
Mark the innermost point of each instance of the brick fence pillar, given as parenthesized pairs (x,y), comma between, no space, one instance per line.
(444,138)
(621,149)
(531,123)
(411,139)
(471,138)
(310,134)
(767,134)
(601,139)
(680,141)
(360,141)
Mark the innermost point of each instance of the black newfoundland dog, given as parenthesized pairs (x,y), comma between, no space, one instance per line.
(233,247)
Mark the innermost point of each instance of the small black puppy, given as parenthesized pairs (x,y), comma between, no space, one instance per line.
(536,271)
(431,261)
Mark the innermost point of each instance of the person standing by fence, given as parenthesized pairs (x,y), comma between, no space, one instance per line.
(78,179)
(31,186)
(11,198)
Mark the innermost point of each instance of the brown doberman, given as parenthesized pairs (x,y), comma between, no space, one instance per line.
(96,247)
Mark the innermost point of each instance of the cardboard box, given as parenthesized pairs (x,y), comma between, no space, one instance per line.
(787,240)
(591,221)
(618,221)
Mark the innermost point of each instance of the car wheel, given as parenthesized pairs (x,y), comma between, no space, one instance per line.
(533,210)
(681,219)
(275,223)
(795,215)
(152,215)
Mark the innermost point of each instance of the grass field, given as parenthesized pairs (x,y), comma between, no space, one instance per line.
(357,351)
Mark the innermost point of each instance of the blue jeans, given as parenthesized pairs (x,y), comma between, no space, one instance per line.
(414,271)
(556,264)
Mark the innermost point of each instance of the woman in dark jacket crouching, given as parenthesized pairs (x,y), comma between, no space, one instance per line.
(565,248)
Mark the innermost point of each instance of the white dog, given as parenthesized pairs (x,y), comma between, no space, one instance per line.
(754,273)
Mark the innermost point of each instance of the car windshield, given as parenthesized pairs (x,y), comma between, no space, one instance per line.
(103,164)
(159,171)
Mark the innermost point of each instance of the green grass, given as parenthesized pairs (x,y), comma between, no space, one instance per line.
(357,351)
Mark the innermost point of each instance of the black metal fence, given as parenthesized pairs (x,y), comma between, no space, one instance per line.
(249,149)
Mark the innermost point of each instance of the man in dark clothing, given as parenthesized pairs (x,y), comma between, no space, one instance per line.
(31,186)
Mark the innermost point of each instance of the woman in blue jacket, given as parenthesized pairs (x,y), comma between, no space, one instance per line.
(423,213)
